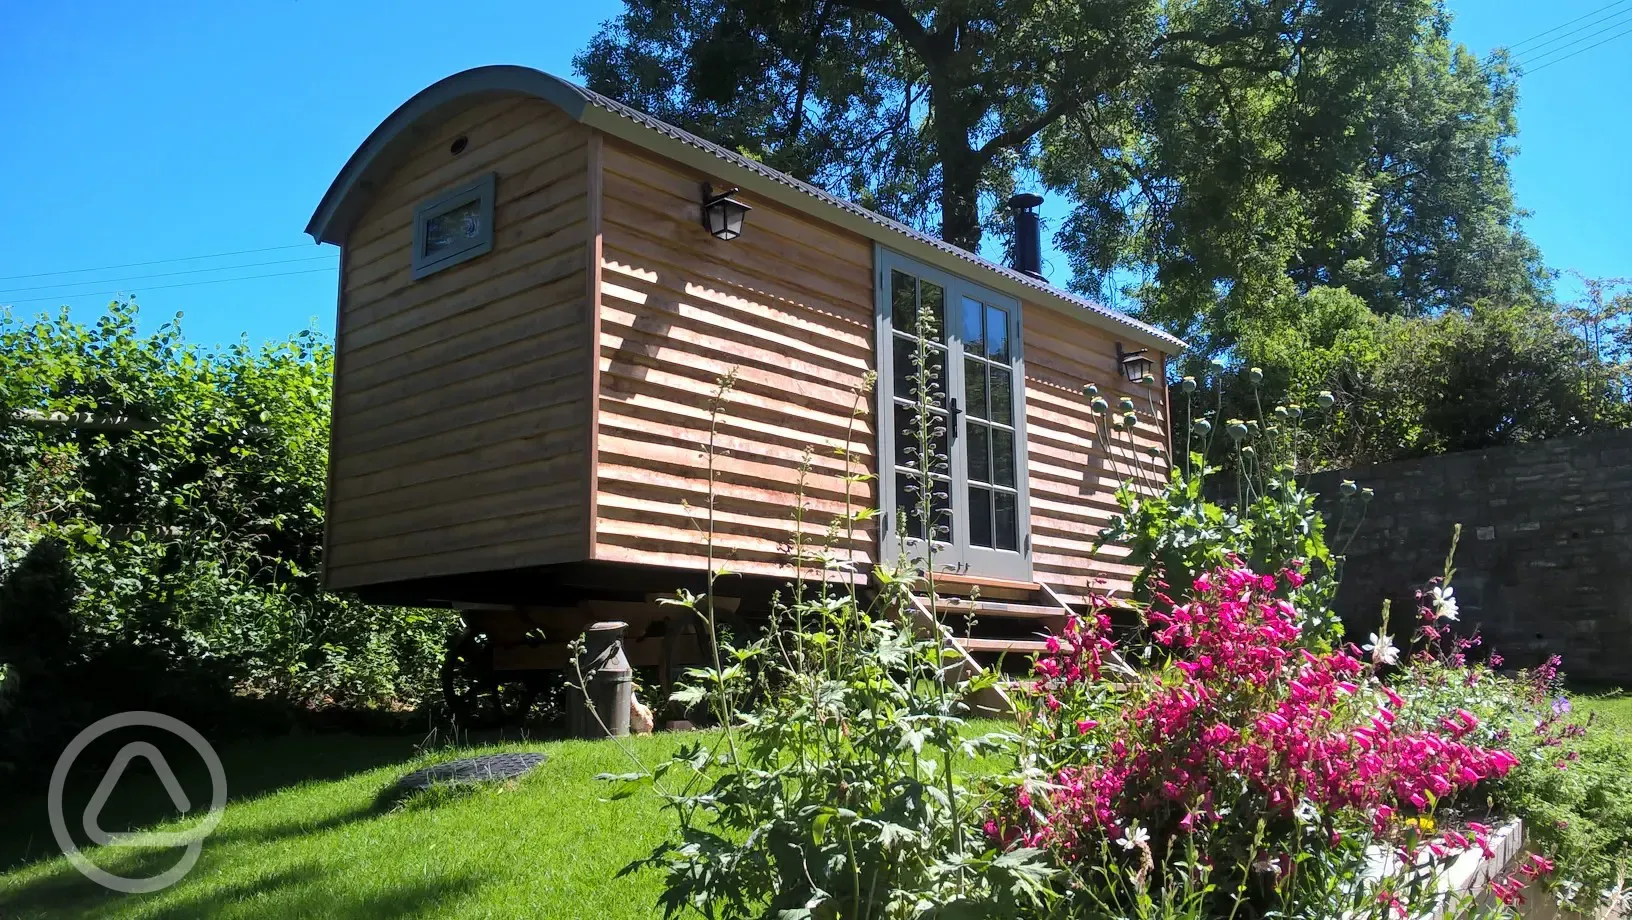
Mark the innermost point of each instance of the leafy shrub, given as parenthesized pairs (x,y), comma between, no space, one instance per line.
(185,490)
(845,792)
(1177,531)
(1405,387)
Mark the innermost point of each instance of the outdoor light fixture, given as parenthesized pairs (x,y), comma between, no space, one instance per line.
(1134,364)
(722,214)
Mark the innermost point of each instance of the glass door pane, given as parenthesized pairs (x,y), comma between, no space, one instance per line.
(989,444)
(919,355)
(951,417)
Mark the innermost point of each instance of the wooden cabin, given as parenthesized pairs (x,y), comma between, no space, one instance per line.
(532,321)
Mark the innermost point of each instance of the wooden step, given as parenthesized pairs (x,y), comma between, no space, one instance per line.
(1002,646)
(983,608)
(995,588)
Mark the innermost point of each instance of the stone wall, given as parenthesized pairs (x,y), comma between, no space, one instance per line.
(1544,566)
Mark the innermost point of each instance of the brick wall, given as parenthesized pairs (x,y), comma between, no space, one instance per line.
(1545,562)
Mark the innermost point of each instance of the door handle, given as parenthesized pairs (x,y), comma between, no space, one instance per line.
(952,432)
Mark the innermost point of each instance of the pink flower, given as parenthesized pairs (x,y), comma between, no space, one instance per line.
(1244,708)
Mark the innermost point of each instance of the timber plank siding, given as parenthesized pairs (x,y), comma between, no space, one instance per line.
(1074,475)
(542,409)
(462,399)
(791,314)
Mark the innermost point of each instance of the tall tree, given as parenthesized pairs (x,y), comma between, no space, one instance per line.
(1439,225)
(951,94)
(1216,153)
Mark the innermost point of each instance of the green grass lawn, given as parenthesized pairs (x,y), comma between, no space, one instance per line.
(307,834)
(327,846)
(1613,712)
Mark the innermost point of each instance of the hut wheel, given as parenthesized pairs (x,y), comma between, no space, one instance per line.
(479,696)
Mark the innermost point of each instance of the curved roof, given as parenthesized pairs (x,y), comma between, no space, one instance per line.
(389,143)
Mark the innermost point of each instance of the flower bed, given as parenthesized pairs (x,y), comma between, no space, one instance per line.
(1237,748)
(1233,758)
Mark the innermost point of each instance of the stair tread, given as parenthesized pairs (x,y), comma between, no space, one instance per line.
(978,644)
(977,581)
(947,583)
(1001,609)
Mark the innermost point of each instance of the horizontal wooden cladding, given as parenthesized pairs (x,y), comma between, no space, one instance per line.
(495,499)
(768,480)
(537,311)
(538,428)
(522,195)
(506,276)
(541,237)
(363,514)
(462,405)
(632,359)
(711,328)
(526,439)
(618,544)
(555,547)
(546,379)
(782,256)
(502,136)
(1074,471)
(787,308)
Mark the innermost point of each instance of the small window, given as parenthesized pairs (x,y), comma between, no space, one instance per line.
(454,227)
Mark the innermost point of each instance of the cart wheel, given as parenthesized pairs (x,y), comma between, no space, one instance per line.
(479,696)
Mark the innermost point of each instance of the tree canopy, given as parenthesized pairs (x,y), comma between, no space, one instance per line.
(1403,387)
(1215,154)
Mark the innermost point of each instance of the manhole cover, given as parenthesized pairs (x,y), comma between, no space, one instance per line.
(486,768)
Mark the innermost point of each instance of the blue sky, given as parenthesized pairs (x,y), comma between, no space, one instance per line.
(145,133)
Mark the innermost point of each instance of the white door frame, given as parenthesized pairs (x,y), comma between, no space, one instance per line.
(956,554)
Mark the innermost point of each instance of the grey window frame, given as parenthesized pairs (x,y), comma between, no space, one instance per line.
(958,554)
(481,190)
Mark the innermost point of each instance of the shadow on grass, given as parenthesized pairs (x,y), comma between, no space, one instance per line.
(305,890)
(309,889)
(253,769)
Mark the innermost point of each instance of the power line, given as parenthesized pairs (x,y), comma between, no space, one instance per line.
(1581,51)
(100,268)
(1536,54)
(1562,25)
(164,287)
(190,271)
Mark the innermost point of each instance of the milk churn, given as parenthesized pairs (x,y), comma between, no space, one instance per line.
(608,681)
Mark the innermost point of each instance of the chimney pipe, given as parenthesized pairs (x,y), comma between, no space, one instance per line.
(1028,243)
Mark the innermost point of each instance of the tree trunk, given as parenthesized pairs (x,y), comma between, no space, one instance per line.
(960,191)
(960,214)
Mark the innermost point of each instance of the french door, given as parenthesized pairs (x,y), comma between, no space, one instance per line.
(962,342)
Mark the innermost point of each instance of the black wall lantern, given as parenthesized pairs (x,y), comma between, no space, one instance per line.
(722,214)
(1134,363)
